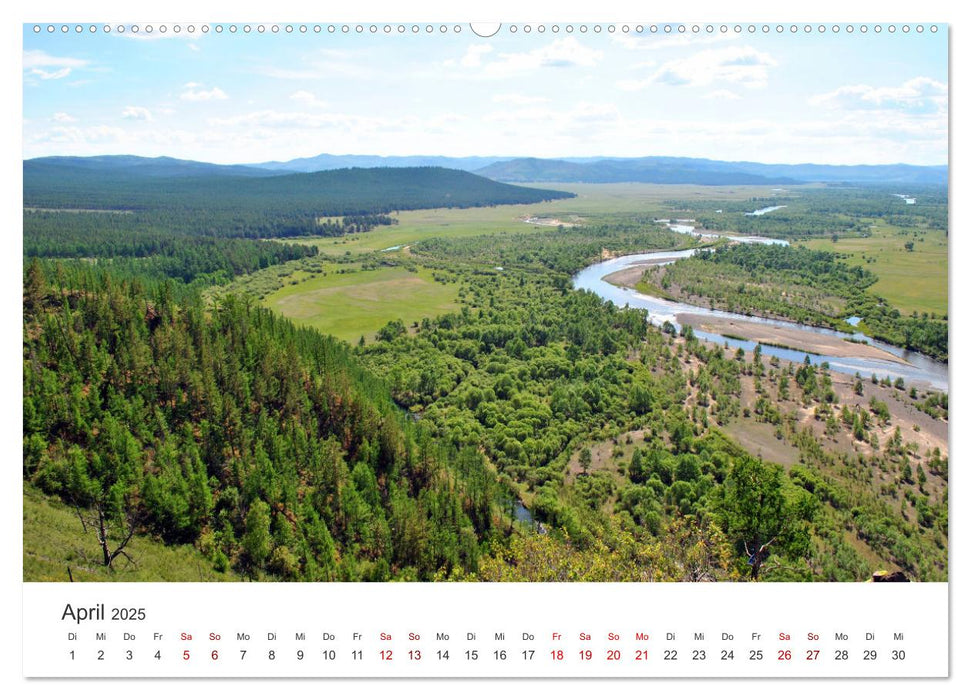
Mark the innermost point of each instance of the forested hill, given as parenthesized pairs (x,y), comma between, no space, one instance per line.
(266,446)
(51,183)
(136,167)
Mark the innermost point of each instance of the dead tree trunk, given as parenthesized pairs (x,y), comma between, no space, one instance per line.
(100,521)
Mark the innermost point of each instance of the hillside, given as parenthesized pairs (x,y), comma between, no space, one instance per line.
(57,548)
(134,167)
(267,447)
(144,185)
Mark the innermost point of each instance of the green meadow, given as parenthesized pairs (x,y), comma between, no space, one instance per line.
(359,302)
(910,280)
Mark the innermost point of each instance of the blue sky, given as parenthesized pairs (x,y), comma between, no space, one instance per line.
(826,98)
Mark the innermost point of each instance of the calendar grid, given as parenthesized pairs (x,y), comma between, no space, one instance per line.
(511,630)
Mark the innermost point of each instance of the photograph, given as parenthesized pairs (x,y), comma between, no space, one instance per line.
(456,303)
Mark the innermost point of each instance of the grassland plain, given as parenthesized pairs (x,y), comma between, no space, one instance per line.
(910,280)
(602,201)
(359,302)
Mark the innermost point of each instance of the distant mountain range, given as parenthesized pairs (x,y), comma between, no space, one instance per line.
(699,171)
(326,161)
(667,171)
(651,169)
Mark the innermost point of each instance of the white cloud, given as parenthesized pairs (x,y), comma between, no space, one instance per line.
(632,85)
(473,55)
(78,135)
(524,115)
(669,41)
(739,65)
(513,99)
(322,63)
(136,113)
(97,140)
(195,93)
(588,118)
(63,118)
(722,95)
(906,119)
(593,112)
(561,53)
(273,119)
(276,124)
(52,74)
(289,73)
(307,98)
(46,67)
(919,95)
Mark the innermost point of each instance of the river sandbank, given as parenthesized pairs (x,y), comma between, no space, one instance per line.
(630,276)
(793,338)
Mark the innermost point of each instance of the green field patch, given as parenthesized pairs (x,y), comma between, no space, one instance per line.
(358,303)
(910,280)
(414,226)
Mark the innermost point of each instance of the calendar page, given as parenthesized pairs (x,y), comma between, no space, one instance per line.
(400,346)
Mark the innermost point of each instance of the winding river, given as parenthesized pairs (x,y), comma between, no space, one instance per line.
(915,368)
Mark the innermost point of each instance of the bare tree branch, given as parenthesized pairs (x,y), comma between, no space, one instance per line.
(101,522)
(84,525)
